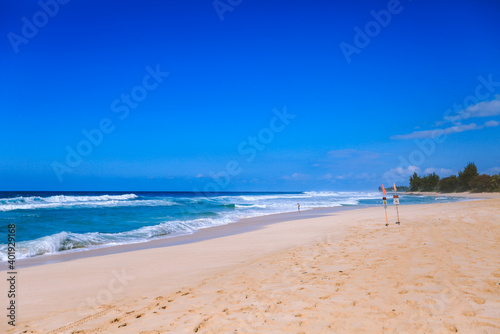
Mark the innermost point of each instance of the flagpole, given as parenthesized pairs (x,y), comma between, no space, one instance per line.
(385,206)
(386,220)
(396,202)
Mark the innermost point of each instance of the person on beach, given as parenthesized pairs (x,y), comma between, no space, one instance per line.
(298,207)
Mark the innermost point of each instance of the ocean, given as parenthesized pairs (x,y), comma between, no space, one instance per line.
(54,222)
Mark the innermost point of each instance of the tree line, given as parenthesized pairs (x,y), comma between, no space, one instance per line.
(399,188)
(468,179)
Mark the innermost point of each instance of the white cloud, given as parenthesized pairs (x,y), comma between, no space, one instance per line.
(343,176)
(352,153)
(439,171)
(400,174)
(491,171)
(481,109)
(363,176)
(199,176)
(296,177)
(491,123)
(446,131)
(366,176)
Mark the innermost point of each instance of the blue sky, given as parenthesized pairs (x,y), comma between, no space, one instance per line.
(246,95)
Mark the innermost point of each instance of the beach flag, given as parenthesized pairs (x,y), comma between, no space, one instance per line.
(395,189)
(383,190)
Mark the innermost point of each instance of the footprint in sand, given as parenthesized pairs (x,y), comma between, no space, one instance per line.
(451,327)
(469,313)
(478,300)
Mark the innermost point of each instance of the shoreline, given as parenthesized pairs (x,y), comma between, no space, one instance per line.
(239,226)
(486,195)
(212,232)
(329,272)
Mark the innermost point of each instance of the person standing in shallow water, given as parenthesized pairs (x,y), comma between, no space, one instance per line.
(298,207)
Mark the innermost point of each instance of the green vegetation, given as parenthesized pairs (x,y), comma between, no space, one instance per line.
(426,183)
(466,176)
(448,184)
(468,179)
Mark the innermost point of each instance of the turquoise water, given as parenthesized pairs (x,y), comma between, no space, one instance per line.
(53,222)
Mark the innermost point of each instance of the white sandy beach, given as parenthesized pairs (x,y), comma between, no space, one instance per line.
(345,272)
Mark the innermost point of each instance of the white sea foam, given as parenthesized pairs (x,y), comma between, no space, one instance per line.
(190,215)
(37,202)
(274,197)
(248,206)
(67,241)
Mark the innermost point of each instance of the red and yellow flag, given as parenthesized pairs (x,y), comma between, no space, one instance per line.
(395,189)
(383,190)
